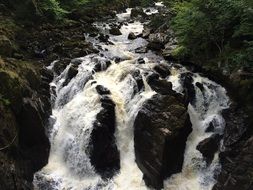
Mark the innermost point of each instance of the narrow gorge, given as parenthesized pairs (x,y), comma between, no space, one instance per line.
(103,101)
(120,114)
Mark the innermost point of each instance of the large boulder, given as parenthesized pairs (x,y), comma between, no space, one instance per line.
(209,146)
(157,41)
(160,86)
(104,154)
(163,70)
(161,129)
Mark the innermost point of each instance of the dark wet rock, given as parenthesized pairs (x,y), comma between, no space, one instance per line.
(209,146)
(161,129)
(93,35)
(117,59)
(76,61)
(132,36)
(40,53)
(189,90)
(236,125)
(141,50)
(155,46)
(157,41)
(102,90)
(200,86)
(47,74)
(163,70)
(59,66)
(29,150)
(237,169)
(102,143)
(210,128)
(115,31)
(140,61)
(102,65)
(139,81)
(236,158)
(151,77)
(135,12)
(103,38)
(72,72)
(160,86)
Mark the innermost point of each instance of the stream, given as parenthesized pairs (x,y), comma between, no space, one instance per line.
(77,103)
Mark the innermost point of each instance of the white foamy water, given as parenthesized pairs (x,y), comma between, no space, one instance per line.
(206,109)
(77,104)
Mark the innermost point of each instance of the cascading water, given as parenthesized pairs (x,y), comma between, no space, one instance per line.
(77,103)
(205,110)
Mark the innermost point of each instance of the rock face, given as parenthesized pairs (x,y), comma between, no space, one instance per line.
(236,160)
(23,114)
(161,129)
(104,154)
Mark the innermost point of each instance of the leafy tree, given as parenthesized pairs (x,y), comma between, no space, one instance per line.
(221,29)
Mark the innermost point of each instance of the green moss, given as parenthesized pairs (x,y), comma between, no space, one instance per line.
(180,52)
(17,78)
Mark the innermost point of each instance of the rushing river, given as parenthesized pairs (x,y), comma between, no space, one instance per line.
(77,104)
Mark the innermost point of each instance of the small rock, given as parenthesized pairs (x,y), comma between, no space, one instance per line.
(141,61)
(132,36)
(141,50)
(210,128)
(200,86)
(102,90)
(103,38)
(115,31)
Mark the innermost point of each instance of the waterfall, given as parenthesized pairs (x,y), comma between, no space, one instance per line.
(207,109)
(77,103)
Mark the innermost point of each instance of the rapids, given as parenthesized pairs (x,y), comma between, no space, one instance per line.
(77,104)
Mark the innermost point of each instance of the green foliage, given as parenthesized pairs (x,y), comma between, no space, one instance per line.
(4,101)
(220,29)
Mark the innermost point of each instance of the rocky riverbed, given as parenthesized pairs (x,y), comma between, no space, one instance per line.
(123,114)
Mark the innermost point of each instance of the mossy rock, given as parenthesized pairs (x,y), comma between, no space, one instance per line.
(17,79)
(6,46)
